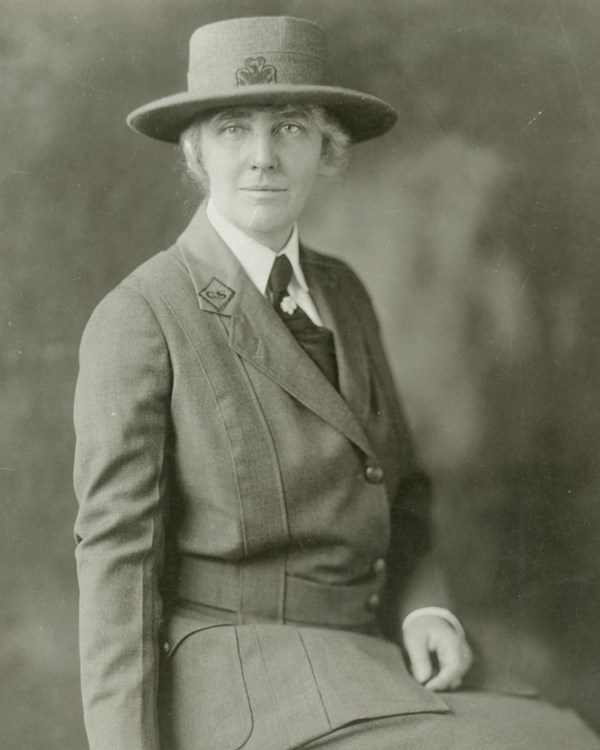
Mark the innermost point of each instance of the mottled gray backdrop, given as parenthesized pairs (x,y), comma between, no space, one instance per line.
(475,224)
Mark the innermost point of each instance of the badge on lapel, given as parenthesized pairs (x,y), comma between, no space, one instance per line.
(217,295)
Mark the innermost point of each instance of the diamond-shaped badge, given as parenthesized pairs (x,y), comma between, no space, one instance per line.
(217,294)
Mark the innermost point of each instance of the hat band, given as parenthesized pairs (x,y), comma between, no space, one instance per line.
(251,69)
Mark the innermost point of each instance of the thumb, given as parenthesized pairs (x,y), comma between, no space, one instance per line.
(420,658)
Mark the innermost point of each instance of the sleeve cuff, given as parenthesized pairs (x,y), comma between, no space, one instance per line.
(442,612)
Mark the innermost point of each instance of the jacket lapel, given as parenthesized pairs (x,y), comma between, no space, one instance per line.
(338,311)
(257,334)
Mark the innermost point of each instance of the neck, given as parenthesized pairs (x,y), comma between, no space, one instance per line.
(275,242)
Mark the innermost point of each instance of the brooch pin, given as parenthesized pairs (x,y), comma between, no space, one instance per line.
(288,305)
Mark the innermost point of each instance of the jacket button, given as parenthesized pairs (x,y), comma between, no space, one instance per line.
(373,601)
(374,474)
(166,647)
(379,565)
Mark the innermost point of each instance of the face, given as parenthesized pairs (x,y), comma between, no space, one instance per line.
(261,165)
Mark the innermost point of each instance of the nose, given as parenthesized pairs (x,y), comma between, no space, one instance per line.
(263,154)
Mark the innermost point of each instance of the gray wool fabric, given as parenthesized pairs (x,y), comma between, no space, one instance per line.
(293,46)
(237,516)
(267,60)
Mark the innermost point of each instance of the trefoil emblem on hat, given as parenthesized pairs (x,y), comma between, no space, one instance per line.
(256,71)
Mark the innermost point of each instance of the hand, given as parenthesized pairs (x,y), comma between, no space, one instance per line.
(430,636)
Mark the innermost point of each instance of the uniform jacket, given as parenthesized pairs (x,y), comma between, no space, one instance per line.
(244,528)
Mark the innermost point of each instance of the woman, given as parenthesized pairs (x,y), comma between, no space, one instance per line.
(253,523)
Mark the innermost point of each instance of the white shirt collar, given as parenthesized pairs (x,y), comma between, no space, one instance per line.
(256,259)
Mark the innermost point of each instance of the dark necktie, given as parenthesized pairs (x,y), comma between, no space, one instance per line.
(316,341)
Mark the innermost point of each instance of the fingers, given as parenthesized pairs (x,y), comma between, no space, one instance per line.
(454,658)
(448,678)
(417,649)
(426,636)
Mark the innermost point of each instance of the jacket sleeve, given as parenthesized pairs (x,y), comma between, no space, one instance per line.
(122,428)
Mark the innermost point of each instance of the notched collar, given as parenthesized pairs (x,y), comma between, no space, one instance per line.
(259,336)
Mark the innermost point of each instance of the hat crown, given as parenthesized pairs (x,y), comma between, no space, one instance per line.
(255,51)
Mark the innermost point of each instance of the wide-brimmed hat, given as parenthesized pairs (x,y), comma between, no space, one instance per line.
(261,61)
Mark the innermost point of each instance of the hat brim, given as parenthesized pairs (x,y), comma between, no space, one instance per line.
(362,115)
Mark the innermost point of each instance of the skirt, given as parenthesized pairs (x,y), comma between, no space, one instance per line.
(479,720)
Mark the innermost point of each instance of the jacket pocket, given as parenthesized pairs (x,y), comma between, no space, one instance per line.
(204,701)
(362,677)
(305,682)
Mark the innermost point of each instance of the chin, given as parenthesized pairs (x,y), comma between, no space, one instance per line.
(266,219)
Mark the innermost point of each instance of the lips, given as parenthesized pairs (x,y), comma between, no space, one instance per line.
(263,189)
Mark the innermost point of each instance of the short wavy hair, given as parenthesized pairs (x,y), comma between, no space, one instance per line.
(335,150)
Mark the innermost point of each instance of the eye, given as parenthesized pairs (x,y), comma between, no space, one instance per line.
(232,129)
(290,128)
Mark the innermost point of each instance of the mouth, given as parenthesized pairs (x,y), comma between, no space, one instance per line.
(263,189)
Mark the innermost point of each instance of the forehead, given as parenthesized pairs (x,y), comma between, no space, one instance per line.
(247,113)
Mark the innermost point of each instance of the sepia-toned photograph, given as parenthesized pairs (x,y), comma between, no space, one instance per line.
(299,433)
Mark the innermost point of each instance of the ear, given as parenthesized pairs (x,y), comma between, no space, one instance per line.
(326,168)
